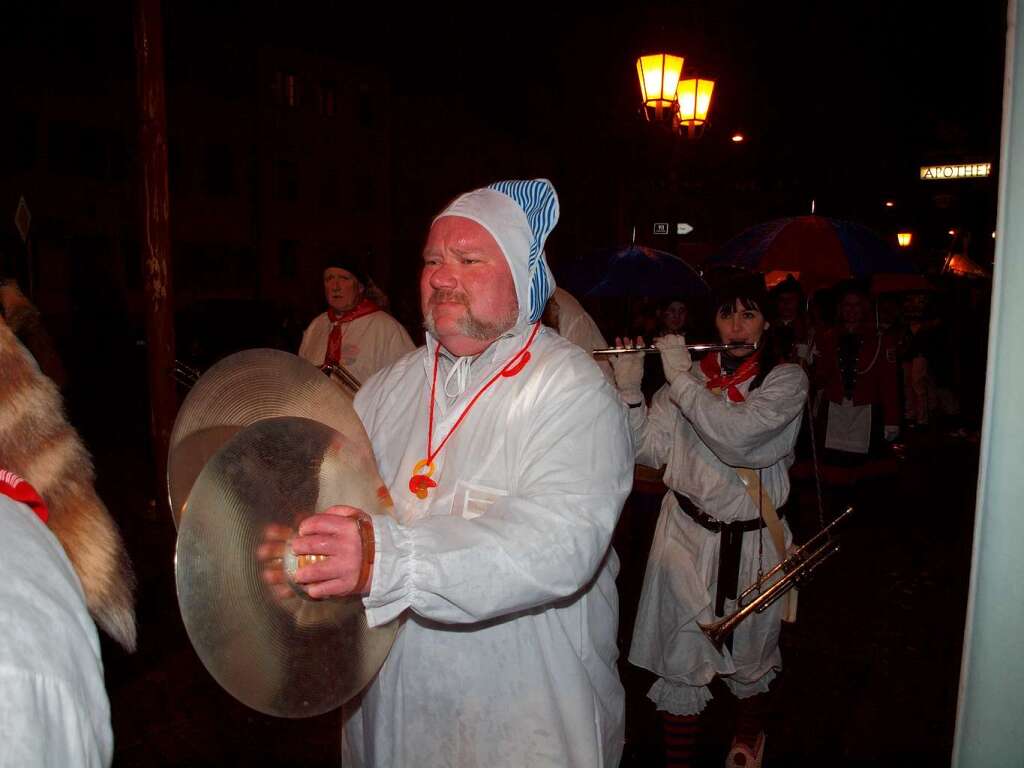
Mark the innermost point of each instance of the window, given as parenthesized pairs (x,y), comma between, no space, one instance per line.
(18,138)
(74,150)
(132,259)
(219,171)
(365,194)
(285,87)
(118,151)
(177,174)
(325,98)
(287,259)
(330,188)
(291,94)
(364,107)
(286,180)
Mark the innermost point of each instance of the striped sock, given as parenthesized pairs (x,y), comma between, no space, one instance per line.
(750,718)
(680,734)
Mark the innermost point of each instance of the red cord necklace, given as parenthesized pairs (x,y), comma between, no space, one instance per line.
(420,484)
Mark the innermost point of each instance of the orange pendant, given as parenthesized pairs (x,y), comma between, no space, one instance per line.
(421,484)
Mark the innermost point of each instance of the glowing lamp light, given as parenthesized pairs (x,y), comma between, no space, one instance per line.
(659,76)
(890,204)
(738,138)
(904,239)
(694,97)
(951,233)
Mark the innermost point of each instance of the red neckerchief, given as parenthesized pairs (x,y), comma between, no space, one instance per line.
(18,489)
(421,484)
(717,381)
(364,307)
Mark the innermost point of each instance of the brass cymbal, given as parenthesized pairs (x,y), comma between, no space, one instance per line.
(264,641)
(240,390)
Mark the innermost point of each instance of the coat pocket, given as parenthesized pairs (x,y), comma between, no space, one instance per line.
(473,500)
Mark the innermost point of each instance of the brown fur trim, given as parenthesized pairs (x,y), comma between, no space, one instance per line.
(37,443)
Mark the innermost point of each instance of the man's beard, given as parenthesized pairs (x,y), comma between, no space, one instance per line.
(469,325)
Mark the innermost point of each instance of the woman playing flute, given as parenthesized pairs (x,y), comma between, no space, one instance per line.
(725,430)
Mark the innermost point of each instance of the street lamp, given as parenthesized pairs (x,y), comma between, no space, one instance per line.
(904,239)
(659,76)
(694,99)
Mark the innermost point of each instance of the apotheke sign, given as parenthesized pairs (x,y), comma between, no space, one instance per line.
(945,172)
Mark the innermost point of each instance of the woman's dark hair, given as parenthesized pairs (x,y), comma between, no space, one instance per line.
(776,345)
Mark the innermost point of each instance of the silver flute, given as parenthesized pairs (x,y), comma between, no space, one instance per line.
(691,347)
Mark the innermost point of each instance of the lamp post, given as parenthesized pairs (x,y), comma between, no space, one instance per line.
(693,99)
(659,75)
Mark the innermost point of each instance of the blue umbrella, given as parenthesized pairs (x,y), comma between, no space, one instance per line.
(635,271)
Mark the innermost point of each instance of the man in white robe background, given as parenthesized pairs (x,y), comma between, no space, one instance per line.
(354,331)
(507,486)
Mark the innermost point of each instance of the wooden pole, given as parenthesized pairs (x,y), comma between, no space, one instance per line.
(155,232)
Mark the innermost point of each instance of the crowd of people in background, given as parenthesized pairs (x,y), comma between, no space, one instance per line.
(913,357)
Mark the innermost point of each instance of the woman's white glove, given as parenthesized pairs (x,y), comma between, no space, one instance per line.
(629,370)
(675,357)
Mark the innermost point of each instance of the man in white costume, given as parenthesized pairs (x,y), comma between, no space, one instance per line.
(54,709)
(354,331)
(508,458)
(723,429)
(571,320)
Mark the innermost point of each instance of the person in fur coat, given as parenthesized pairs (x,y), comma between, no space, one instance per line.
(38,444)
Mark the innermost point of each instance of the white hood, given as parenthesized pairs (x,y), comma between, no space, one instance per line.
(519,215)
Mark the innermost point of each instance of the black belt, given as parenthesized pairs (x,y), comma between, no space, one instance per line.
(730,547)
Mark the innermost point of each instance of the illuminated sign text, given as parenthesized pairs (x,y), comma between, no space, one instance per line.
(967,171)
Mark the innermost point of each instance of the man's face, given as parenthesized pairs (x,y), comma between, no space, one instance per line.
(852,309)
(788,305)
(341,289)
(742,325)
(467,293)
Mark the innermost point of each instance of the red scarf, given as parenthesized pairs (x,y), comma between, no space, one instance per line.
(711,367)
(364,307)
(18,489)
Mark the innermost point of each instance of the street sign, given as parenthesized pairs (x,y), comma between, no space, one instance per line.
(682,228)
(661,228)
(960,171)
(22,219)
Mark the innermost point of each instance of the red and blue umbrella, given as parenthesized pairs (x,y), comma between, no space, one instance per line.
(818,251)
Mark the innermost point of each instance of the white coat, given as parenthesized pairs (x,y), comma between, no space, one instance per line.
(504,574)
(368,343)
(576,325)
(702,438)
(53,708)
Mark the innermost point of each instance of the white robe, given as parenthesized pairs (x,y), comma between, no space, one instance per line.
(54,709)
(702,437)
(505,574)
(579,327)
(368,343)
